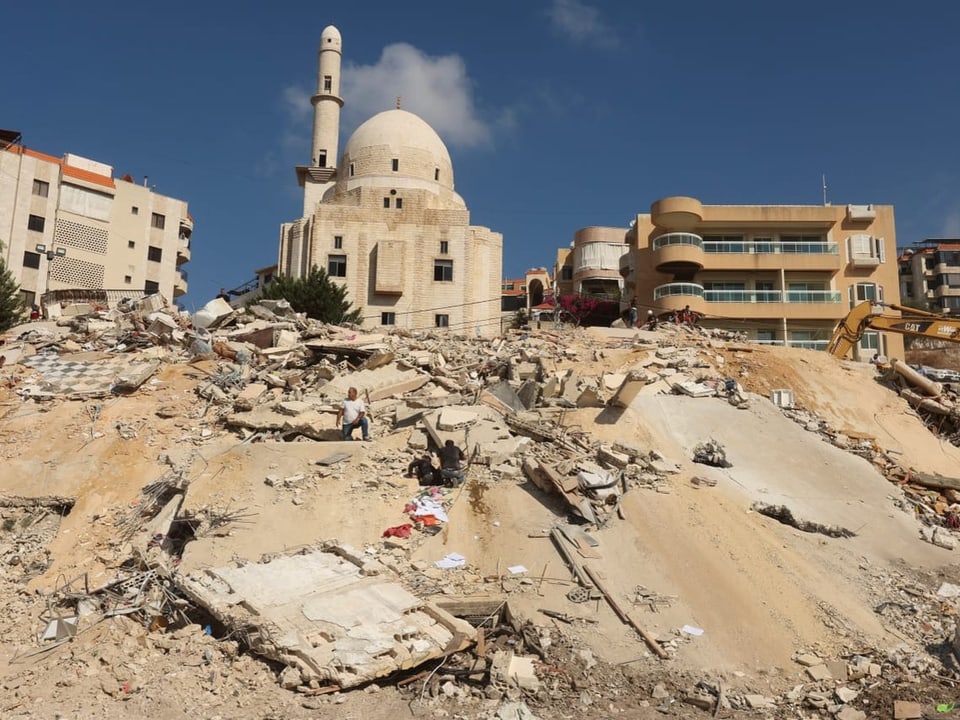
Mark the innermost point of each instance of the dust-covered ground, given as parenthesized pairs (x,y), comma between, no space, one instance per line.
(732,595)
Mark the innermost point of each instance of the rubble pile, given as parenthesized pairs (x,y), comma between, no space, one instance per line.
(316,621)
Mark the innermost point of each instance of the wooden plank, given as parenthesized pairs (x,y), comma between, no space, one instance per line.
(624,616)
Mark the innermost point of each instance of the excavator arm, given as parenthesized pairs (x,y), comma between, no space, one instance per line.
(917,323)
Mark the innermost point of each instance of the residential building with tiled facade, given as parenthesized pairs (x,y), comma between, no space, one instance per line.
(384,220)
(67,224)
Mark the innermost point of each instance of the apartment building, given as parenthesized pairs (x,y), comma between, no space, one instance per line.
(66,224)
(781,274)
(930,275)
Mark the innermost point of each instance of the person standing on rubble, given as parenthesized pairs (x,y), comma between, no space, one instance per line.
(451,463)
(352,415)
(634,316)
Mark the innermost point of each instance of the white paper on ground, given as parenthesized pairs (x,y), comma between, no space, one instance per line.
(515,569)
(452,560)
(691,630)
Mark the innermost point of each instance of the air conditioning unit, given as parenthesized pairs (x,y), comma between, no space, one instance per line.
(860,213)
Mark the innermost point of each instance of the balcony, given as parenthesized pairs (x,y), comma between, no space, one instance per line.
(183,250)
(186,227)
(812,304)
(180,283)
(677,252)
(676,296)
(771,255)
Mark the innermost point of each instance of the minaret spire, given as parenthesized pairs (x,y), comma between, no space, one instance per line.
(318,174)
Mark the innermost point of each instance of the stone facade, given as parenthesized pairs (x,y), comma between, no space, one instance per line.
(389,224)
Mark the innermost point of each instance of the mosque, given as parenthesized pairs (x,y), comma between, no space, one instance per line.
(384,220)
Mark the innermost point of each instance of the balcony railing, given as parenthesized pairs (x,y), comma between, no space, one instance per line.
(813,296)
(803,344)
(691,289)
(770,247)
(677,238)
(748,296)
(743,296)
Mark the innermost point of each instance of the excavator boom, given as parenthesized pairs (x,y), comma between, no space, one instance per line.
(917,323)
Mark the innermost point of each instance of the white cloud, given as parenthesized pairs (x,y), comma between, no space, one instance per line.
(435,88)
(581,23)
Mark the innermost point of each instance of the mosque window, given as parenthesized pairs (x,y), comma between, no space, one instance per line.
(337,242)
(436,174)
(322,159)
(327,83)
(351,169)
(337,265)
(399,204)
(444,247)
(443,270)
(386,202)
(441,320)
(388,318)
(396,164)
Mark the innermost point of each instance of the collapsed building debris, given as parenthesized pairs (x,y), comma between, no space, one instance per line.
(332,617)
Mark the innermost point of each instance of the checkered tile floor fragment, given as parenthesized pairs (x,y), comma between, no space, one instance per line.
(85,379)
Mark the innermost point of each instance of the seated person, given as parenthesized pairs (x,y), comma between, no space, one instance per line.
(451,459)
(352,415)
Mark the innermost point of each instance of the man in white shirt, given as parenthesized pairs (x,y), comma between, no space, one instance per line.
(352,415)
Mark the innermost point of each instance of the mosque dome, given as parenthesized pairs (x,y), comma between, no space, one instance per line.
(397,144)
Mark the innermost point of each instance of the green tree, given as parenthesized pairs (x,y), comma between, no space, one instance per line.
(11,304)
(316,295)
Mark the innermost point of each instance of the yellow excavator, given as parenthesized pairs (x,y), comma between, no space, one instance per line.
(866,316)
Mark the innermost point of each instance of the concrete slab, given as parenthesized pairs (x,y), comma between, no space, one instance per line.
(317,611)
(376,384)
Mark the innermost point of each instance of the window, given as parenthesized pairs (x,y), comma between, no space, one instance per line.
(31,260)
(386,202)
(41,188)
(131,244)
(127,279)
(337,242)
(158,221)
(865,248)
(399,204)
(861,292)
(766,336)
(388,318)
(566,272)
(441,321)
(150,287)
(443,270)
(134,210)
(444,247)
(351,169)
(322,159)
(154,254)
(870,341)
(327,83)
(36,223)
(436,174)
(396,164)
(337,265)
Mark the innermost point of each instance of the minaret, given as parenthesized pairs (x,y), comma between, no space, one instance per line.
(316,177)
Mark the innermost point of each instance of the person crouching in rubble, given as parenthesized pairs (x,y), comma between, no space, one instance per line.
(451,459)
(352,415)
(426,473)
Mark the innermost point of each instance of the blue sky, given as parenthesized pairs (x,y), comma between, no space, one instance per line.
(558,114)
